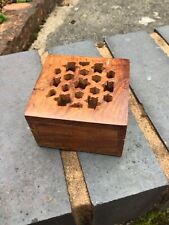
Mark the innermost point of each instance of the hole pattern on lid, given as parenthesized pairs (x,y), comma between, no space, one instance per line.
(82,84)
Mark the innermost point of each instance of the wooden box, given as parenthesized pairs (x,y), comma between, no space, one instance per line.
(80,104)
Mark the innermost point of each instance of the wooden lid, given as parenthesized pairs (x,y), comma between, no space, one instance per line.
(75,88)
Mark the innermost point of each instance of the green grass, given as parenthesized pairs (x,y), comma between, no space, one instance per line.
(3,3)
(2,18)
(154,218)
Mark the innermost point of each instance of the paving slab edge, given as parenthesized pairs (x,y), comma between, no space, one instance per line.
(159,31)
(22,36)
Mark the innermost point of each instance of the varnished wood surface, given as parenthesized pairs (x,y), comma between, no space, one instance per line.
(80,104)
(113,112)
(78,136)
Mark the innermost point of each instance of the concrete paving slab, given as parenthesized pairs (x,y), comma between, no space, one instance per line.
(123,188)
(85,48)
(149,76)
(163,32)
(32,183)
(81,20)
(119,188)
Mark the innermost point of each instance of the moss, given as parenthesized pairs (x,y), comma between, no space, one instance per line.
(2,18)
(153,218)
(22,1)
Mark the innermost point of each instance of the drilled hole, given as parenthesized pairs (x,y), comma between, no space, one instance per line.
(84,63)
(110,74)
(51,92)
(57,70)
(109,86)
(108,98)
(94,90)
(84,72)
(56,81)
(96,78)
(63,100)
(68,76)
(71,66)
(65,87)
(81,83)
(77,105)
(92,102)
(79,94)
(98,67)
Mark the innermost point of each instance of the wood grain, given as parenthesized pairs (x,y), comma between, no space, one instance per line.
(80,103)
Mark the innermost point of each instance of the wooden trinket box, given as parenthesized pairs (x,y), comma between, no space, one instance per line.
(80,104)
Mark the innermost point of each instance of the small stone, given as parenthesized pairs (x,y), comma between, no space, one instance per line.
(156,15)
(146,20)
(148,78)
(16,169)
(35,220)
(100,44)
(76,9)
(84,15)
(116,7)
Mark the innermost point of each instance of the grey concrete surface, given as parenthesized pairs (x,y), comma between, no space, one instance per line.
(32,183)
(118,185)
(85,48)
(163,32)
(99,18)
(123,188)
(149,76)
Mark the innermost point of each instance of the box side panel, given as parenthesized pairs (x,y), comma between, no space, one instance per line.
(68,135)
